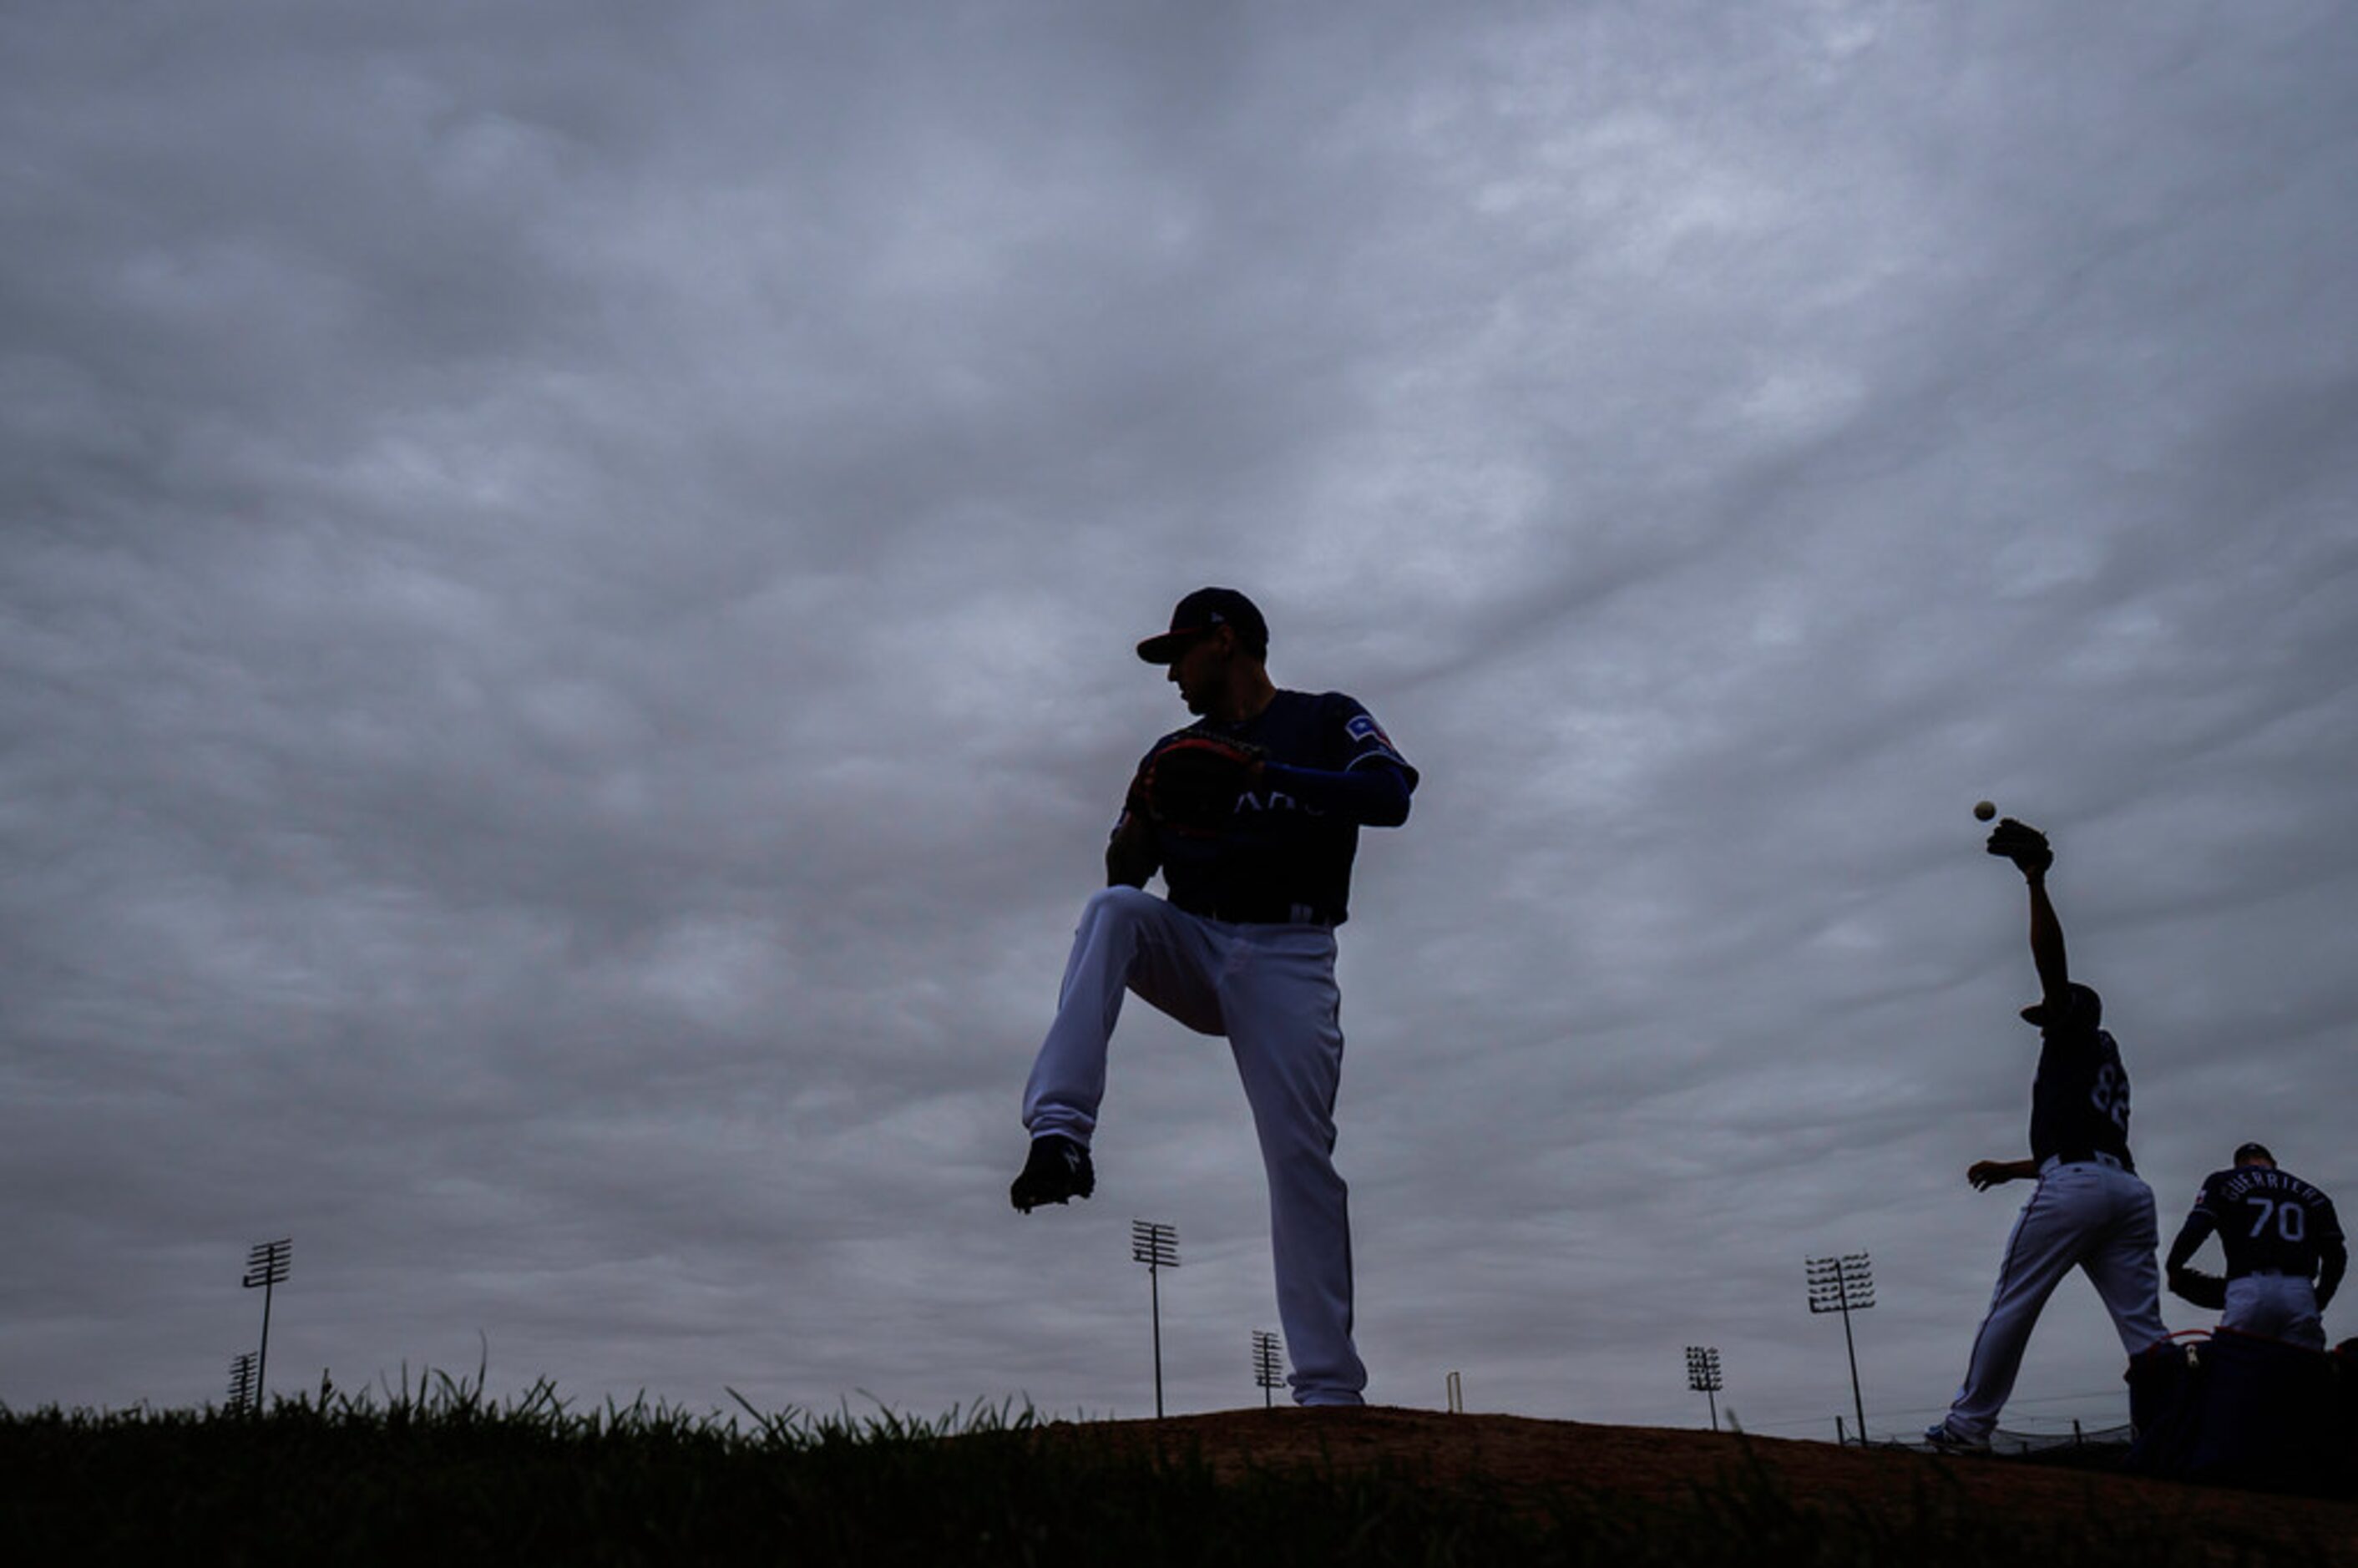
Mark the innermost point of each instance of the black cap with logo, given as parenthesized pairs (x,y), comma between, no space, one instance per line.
(1204,610)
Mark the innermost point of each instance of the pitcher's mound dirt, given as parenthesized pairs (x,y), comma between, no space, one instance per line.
(1523,1458)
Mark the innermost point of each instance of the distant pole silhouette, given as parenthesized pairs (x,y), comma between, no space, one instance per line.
(1157,1247)
(1702,1377)
(267,1266)
(1845,1285)
(241,1382)
(1269,1365)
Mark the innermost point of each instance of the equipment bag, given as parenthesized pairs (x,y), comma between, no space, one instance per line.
(2239,1410)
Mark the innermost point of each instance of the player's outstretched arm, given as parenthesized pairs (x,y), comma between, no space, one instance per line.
(2026,846)
(1987,1173)
(2047,946)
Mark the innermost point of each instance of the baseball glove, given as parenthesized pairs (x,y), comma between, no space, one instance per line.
(2205,1290)
(2024,845)
(1192,784)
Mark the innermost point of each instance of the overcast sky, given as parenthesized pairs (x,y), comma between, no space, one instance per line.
(566,610)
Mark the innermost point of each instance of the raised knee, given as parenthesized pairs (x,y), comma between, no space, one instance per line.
(1118,902)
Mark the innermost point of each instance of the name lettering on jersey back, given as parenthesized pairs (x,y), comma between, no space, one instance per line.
(2258,1178)
(1273,800)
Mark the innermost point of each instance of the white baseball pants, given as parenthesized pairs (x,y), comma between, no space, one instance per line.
(2280,1306)
(1271,991)
(2094,1217)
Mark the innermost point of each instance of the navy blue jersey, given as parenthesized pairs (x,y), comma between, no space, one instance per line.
(2080,1101)
(1277,859)
(2267,1219)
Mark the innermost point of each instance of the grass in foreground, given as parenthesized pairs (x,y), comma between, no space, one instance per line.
(441,1476)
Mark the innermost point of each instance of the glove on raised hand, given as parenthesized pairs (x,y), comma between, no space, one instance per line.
(2024,845)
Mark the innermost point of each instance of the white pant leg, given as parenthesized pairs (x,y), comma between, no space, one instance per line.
(2050,1238)
(1284,1019)
(2121,1264)
(2279,1306)
(1272,991)
(1127,940)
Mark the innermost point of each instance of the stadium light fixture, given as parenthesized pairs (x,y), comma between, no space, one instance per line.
(266,1265)
(1157,1247)
(1845,1285)
(1269,1365)
(241,1382)
(1702,1377)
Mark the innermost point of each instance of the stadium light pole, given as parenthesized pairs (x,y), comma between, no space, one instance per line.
(1157,1247)
(1845,1285)
(241,1382)
(1702,1377)
(1269,1365)
(267,1266)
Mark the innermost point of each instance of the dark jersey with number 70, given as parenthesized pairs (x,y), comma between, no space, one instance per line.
(2268,1221)
(2080,1101)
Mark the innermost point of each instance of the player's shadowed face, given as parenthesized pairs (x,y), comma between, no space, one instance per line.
(1201,671)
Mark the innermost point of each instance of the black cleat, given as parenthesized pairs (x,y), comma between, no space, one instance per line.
(1058,1172)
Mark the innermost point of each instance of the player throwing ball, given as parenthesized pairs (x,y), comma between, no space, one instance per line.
(1252,814)
(2284,1246)
(2090,1210)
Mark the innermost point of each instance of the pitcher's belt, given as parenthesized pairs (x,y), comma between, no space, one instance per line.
(1258,912)
(2083,1157)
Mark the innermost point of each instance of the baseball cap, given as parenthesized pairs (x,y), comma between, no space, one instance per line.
(2083,1008)
(2254,1151)
(1199,613)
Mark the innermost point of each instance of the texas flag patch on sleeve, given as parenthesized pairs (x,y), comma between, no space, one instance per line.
(1367,741)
